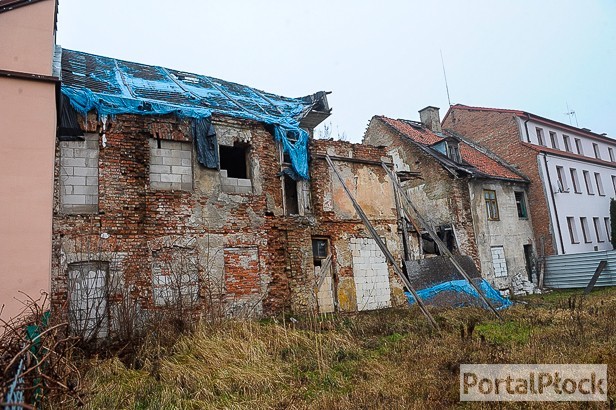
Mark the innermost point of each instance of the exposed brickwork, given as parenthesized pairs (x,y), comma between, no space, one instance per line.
(135,222)
(499,132)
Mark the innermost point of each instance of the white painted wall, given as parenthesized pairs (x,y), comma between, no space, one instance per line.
(577,205)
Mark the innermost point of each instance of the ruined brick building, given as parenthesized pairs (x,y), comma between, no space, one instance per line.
(178,190)
(474,200)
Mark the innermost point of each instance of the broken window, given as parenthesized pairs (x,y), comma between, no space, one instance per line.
(520,202)
(290,196)
(491,204)
(320,250)
(234,160)
(235,169)
(170,165)
(445,234)
(79,175)
(292,137)
(453,151)
(87,304)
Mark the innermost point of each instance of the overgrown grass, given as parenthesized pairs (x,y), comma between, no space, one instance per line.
(386,359)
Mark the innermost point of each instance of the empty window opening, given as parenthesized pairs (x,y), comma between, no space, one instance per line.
(520,202)
(453,151)
(585,230)
(554,140)
(491,204)
(595,147)
(572,230)
(598,232)
(235,160)
(290,196)
(588,183)
(292,137)
(445,234)
(574,180)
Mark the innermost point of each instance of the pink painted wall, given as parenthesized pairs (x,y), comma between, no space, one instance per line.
(27,139)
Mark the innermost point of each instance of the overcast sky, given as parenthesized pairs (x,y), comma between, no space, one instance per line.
(376,57)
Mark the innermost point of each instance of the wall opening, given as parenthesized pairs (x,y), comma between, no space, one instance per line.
(235,160)
(290,196)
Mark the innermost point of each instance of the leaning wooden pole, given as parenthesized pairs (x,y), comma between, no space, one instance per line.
(441,245)
(383,247)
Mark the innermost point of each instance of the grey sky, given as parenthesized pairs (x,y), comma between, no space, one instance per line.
(376,57)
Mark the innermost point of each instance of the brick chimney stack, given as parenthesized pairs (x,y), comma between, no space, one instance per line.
(430,117)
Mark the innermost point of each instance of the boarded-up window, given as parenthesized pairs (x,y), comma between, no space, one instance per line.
(79,175)
(87,286)
(370,274)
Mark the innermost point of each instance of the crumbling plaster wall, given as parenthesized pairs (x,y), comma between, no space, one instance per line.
(440,197)
(510,232)
(338,221)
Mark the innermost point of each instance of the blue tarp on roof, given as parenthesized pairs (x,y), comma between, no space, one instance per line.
(110,87)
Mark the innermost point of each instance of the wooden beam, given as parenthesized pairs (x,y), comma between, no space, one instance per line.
(595,277)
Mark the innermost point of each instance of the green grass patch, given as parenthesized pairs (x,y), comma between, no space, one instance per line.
(504,332)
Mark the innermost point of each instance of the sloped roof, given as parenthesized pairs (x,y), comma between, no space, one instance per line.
(474,162)
(535,117)
(113,86)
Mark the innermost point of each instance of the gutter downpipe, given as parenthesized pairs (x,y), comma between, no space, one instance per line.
(560,236)
(547,172)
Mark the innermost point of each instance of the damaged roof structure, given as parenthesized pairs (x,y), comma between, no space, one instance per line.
(471,197)
(177,192)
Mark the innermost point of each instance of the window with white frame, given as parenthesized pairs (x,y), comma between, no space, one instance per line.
(567,141)
(585,230)
(574,180)
(540,138)
(588,183)
(562,179)
(600,190)
(597,151)
(578,146)
(554,140)
(573,235)
(598,232)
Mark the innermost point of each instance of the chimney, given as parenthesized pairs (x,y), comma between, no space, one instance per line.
(430,117)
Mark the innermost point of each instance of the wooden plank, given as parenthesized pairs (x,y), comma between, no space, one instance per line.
(595,277)
(383,247)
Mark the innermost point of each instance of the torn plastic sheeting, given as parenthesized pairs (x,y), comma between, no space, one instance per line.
(206,143)
(84,101)
(459,293)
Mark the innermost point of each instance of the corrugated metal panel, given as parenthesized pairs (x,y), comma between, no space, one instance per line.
(576,270)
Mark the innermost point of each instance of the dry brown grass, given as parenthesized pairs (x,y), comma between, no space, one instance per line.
(387,359)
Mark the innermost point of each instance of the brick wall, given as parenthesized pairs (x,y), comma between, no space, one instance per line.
(499,132)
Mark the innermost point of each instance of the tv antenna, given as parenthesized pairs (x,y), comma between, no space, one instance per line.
(445,75)
(571,114)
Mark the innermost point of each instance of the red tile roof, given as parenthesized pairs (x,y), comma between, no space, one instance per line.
(471,156)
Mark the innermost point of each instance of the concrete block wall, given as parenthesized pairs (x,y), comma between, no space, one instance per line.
(79,175)
(498,261)
(171,165)
(370,274)
(235,185)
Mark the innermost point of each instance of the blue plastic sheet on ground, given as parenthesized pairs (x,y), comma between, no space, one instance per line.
(459,293)
(111,87)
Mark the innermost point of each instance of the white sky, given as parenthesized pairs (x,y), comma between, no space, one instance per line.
(377,57)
